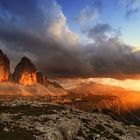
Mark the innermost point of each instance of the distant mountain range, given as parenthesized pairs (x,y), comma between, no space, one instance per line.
(120,103)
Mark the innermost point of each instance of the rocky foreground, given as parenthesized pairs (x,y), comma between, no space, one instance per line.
(28,119)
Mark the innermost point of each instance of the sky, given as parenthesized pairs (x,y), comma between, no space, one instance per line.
(123,15)
(73,38)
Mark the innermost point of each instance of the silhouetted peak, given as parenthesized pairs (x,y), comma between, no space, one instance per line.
(1,53)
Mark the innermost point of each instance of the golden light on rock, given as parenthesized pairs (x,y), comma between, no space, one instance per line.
(4,67)
(3,76)
(28,79)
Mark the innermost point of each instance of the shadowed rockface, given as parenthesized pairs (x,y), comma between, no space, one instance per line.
(4,67)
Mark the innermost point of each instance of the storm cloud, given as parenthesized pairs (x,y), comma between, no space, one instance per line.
(99,32)
(38,29)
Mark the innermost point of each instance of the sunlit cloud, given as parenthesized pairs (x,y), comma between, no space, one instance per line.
(127,84)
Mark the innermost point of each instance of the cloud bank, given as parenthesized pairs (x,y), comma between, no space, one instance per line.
(38,29)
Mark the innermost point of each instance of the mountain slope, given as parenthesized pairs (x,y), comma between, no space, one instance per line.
(126,96)
(118,102)
(9,88)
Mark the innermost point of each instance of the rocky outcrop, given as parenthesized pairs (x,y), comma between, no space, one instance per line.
(37,120)
(45,81)
(25,72)
(4,67)
(40,78)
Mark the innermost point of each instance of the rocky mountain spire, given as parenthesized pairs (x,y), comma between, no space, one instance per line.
(25,72)
(40,78)
(4,67)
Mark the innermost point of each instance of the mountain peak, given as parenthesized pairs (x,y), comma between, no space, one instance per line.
(25,72)
(4,67)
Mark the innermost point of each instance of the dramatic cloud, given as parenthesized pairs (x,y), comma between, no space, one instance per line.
(44,19)
(99,32)
(131,6)
(108,55)
(89,13)
(38,29)
(112,58)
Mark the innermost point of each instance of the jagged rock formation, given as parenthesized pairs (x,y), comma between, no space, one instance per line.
(4,67)
(45,81)
(40,78)
(25,72)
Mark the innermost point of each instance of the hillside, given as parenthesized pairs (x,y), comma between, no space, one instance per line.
(9,88)
(126,96)
(37,120)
